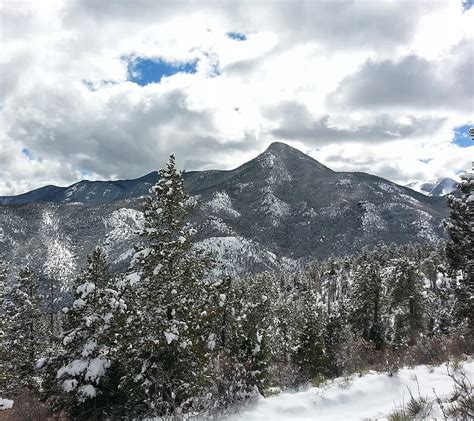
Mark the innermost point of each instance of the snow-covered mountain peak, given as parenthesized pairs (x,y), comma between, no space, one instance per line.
(439,187)
(290,156)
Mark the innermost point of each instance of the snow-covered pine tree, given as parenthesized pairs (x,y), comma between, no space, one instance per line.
(460,248)
(87,370)
(439,297)
(368,301)
(238,338)
(224,368)
(254,319)
(169,296)
(5,376)
(3,275)
(407,301)
(337,335)
(284,325)
(309,354)
(23,330)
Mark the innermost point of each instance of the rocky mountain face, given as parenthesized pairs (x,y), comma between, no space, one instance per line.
(274,212)
(440,187)
(86,192)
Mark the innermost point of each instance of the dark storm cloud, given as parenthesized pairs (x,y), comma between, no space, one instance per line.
(411,82)
(125,137)
(298,124)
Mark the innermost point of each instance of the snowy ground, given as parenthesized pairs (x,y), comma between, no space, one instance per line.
(5,404)
(372,396)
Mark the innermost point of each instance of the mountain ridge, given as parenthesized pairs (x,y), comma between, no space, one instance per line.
(273,212)
(439,187)
(130,189)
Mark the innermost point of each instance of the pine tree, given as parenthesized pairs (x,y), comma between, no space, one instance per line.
(439,297)
(460,248)
(309,354)
(244,338)
(368,301)
(407,301)
(87,369)
(23,330)
(254,319)
(336,337)
(284,328)
(225,369)
(5,375)
(168,300)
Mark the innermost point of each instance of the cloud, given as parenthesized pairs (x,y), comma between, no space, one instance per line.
(397,161)
(411,82)
(362,82)
(340,24)
(298,124)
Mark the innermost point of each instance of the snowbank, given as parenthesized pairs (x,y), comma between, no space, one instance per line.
(5,404)
(373,396)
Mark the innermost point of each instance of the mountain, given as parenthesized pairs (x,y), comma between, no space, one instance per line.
(440,187)
(86,192)
(273,212)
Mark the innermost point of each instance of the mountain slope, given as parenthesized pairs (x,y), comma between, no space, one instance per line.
(273,211)
(86,192)
(439,187)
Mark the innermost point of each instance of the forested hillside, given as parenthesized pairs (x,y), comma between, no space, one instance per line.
(276,212)
(164,338)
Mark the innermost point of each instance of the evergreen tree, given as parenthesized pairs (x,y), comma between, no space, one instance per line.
(87,369)
(460,248)
(336,336)
(168,300)
(23,330)
(244,339)
(283,337)
(407,301)
(5,375)
(309,353)
(254,324)
(368,301)
(225,369)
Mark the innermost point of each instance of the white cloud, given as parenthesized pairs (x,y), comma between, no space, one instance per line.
(305,74)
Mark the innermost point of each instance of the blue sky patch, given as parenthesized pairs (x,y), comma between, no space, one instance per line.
(467,4)
(26,152)
(461,136)
(143,71)
(84,173)
(237,36)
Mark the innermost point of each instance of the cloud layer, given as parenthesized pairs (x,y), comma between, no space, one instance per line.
(365,86)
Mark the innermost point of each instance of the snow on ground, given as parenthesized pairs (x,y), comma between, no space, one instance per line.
(123,224)
(60,261)
(389,188)
(235,255)
(221,204)
(424,226)
(5,404)
(372,221)
(276,170)
(275,208)
(372,396)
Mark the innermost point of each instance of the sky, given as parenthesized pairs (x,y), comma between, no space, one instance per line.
(108,89)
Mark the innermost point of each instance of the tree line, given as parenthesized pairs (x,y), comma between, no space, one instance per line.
(167,339)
